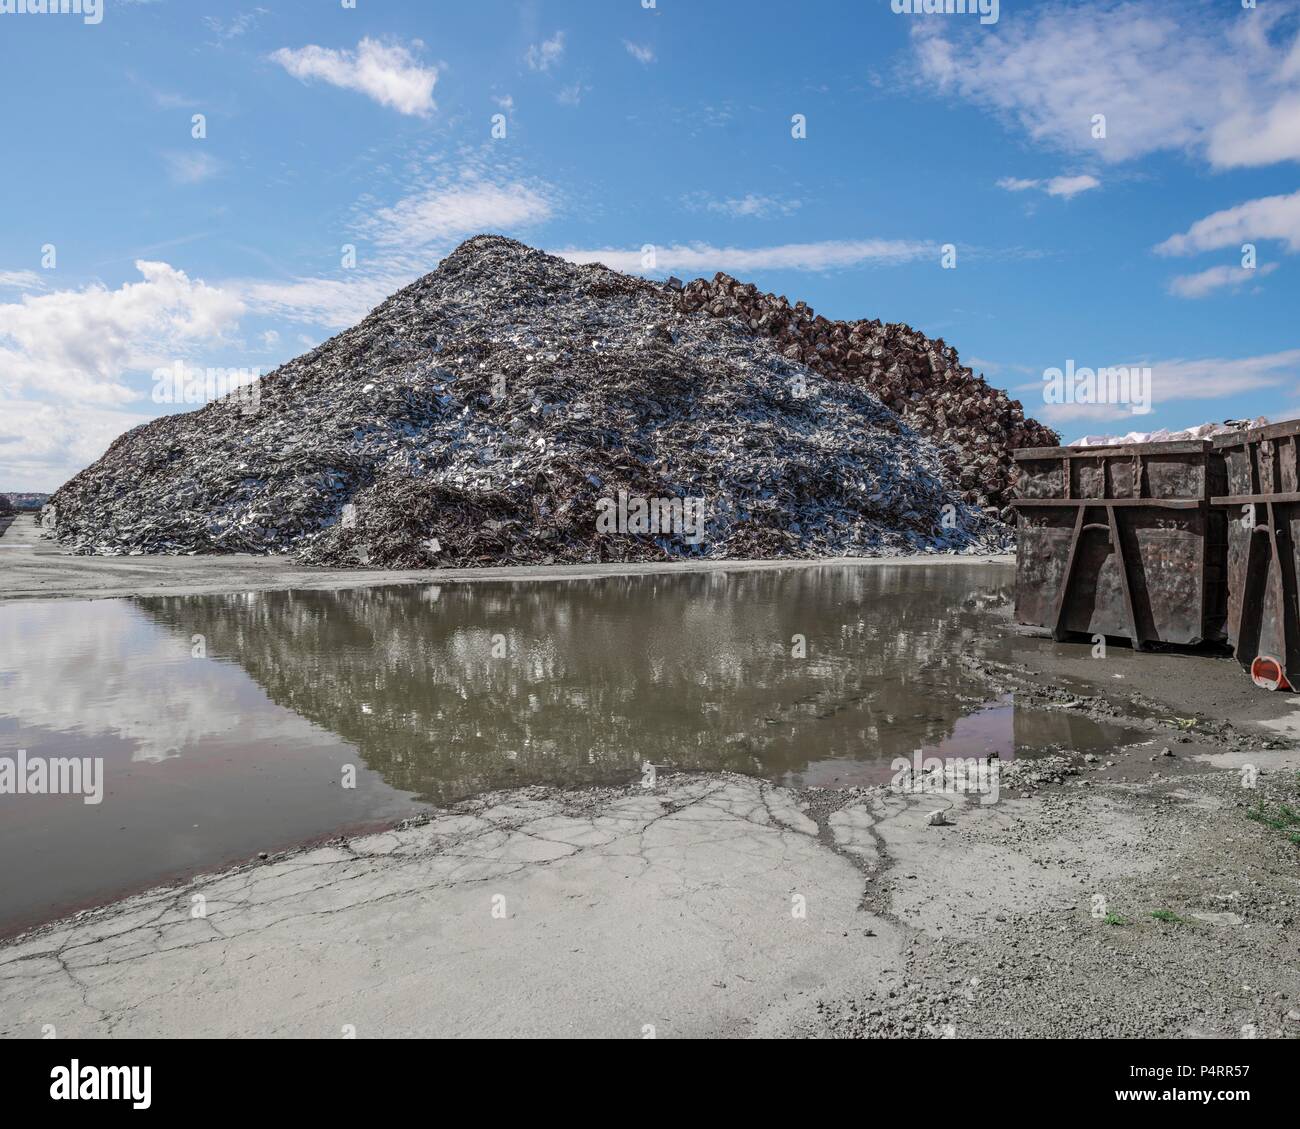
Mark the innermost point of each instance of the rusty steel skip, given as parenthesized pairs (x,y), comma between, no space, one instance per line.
(1122,541)
(1261,501)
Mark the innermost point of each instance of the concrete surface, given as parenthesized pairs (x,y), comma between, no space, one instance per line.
(572,914)
(720,906)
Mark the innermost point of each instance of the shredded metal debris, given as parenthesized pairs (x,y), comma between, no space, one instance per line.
(487,413)
(922,379)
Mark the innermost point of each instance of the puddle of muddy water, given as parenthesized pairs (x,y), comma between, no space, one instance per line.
(226,723)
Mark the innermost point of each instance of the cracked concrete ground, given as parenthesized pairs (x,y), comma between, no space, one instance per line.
(709,906)
(1087,901)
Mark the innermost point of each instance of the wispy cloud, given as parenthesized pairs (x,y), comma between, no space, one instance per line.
(547,54)
(1178,380)
(409,236)
(571,95)
(191,167)
(333,303)
(982,364)
(640,52)
(1270,217)
(1192,79)
(238,24)
(386,73)
(701,257)
(454,209)
(752,205)
(1206,282)
(163,99)
(21,280)
(1066,186)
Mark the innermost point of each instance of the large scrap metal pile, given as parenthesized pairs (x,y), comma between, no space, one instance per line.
(482,414)
(921,379)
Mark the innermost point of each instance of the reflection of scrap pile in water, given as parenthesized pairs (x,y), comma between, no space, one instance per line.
(594,678)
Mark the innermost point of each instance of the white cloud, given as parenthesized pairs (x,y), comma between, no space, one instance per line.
(335,303)
(750,206)
(1066,186)
(571,95)
(1216,278)
(454,209)
(1172,381)
(236,26)
(388,74)
(21,280)
(639,52)
(1183,78)
(409,237)
(1250,137)
(42,445)
(547,54)
(1270,217)
(702,258)
(81,343)
(191,167)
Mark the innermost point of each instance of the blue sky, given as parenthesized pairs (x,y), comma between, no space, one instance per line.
(668,126)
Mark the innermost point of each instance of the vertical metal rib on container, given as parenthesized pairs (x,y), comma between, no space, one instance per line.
(1261,503)
(1122,541)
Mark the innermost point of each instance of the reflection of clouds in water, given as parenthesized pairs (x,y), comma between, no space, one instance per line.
(99,668)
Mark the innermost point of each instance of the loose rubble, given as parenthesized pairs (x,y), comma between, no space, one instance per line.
(921,379)
(482,414)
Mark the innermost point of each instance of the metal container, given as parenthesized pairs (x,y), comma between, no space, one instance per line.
(1261,503)
(1122,541)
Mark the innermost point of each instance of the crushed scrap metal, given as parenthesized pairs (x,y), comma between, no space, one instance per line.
(480,414)
(923,380)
